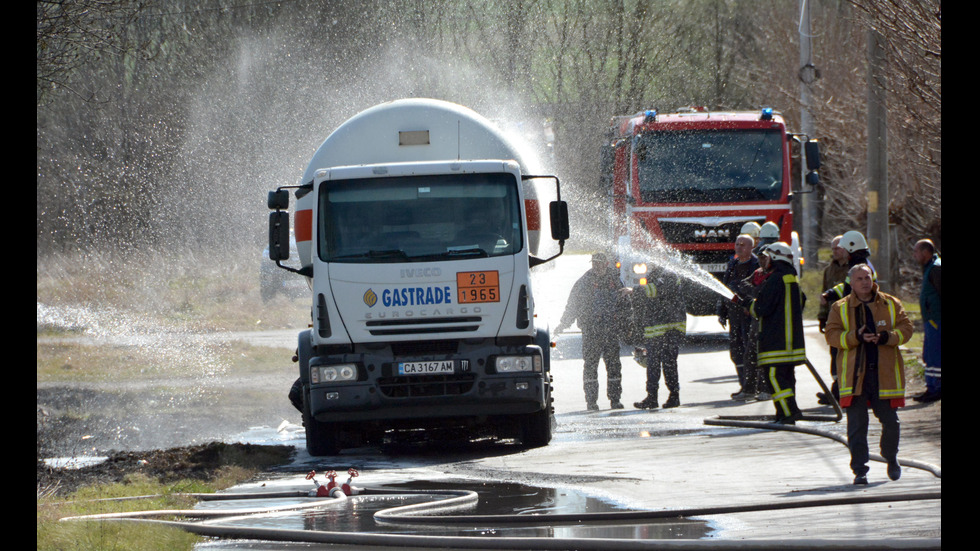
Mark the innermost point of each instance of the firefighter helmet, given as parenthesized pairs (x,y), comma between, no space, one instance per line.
(750,228)
(769,230)
(853,241)
(780,252)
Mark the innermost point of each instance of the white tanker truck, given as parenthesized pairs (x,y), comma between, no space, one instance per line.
(417,224)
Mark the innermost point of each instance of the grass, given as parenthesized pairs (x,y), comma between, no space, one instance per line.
(98,499)
(213,290)
(83,361)
(102,498)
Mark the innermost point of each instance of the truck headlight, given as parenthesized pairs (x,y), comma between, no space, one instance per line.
(333,373)
(640,268)
(516,364)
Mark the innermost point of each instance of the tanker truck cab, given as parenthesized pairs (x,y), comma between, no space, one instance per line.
(422,313)
(409,256)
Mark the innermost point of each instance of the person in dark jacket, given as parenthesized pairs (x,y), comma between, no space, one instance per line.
(779,309)
(749,288)
(833,275)
(741,266)
(856,247)
(664,325)
(931,307)
(592,303)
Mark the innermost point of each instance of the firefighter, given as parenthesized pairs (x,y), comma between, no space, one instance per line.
(749,287)
(741,266)
(593,303)
(661,305)
(868,327)
(752,229)
(857,250)
(768,234)
(779,308)
(834,274)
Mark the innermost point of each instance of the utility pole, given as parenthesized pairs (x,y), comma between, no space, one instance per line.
(878,200)
(808,74)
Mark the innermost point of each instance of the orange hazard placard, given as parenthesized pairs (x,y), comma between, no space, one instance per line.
(478,287)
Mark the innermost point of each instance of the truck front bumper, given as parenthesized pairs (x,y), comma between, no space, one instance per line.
(472,389)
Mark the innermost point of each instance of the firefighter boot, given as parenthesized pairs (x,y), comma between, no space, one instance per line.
(672,401)
(650,402)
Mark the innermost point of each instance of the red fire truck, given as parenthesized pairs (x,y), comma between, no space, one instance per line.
(688,181)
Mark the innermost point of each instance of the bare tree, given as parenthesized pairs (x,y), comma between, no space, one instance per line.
(912,37)
(75,33)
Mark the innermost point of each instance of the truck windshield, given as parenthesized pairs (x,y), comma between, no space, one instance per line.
(419,218)
(714,166)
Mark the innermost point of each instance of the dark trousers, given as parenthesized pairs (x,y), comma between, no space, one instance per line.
(741,345)
(932,355)
(662,357)
(783,379)
(857,424)
(834,387)
(595,345)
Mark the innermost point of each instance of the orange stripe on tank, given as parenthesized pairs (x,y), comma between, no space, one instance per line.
(303,225)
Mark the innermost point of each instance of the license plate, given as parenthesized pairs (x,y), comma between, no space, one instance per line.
(713,268)
(441,367)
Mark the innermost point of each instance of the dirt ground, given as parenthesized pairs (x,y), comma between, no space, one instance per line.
(200,462)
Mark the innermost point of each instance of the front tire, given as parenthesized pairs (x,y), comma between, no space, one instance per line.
(321,438)
(536,429)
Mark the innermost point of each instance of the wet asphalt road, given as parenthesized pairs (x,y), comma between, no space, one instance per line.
(632,459)
(669,459)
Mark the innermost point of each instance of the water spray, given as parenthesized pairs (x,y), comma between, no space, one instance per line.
(660,254)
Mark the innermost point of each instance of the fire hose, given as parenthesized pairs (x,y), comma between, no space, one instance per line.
(760,423)
(451,501)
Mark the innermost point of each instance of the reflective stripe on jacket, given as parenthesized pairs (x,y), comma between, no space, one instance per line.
(779,309)
(842,326)
(663,308)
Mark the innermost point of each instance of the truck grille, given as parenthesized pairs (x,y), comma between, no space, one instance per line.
(459,324)
(424,348)
(424,386)
(696,231)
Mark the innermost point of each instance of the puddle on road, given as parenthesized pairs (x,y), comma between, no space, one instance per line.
(356,515)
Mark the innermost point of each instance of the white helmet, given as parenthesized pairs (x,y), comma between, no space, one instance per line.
(853,241)
(780,251)
(750,228)
(769,230)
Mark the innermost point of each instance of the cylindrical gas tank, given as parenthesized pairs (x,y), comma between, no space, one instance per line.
(410,130)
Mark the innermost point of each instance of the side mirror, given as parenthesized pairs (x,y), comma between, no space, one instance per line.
(279,199)
(559,220)
(278,235)
(812,149)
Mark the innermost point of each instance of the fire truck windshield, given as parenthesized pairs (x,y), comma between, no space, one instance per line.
(709,166)
(418,218)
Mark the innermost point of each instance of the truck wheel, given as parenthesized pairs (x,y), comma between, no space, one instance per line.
(536,429)
(321,438)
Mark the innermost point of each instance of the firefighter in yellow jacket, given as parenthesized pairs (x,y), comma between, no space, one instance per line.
(779,309)
(868,326)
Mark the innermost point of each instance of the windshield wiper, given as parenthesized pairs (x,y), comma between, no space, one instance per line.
(389,253)
(474,251)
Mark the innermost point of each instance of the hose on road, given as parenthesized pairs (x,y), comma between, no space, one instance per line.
(765,425)
(420,514)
